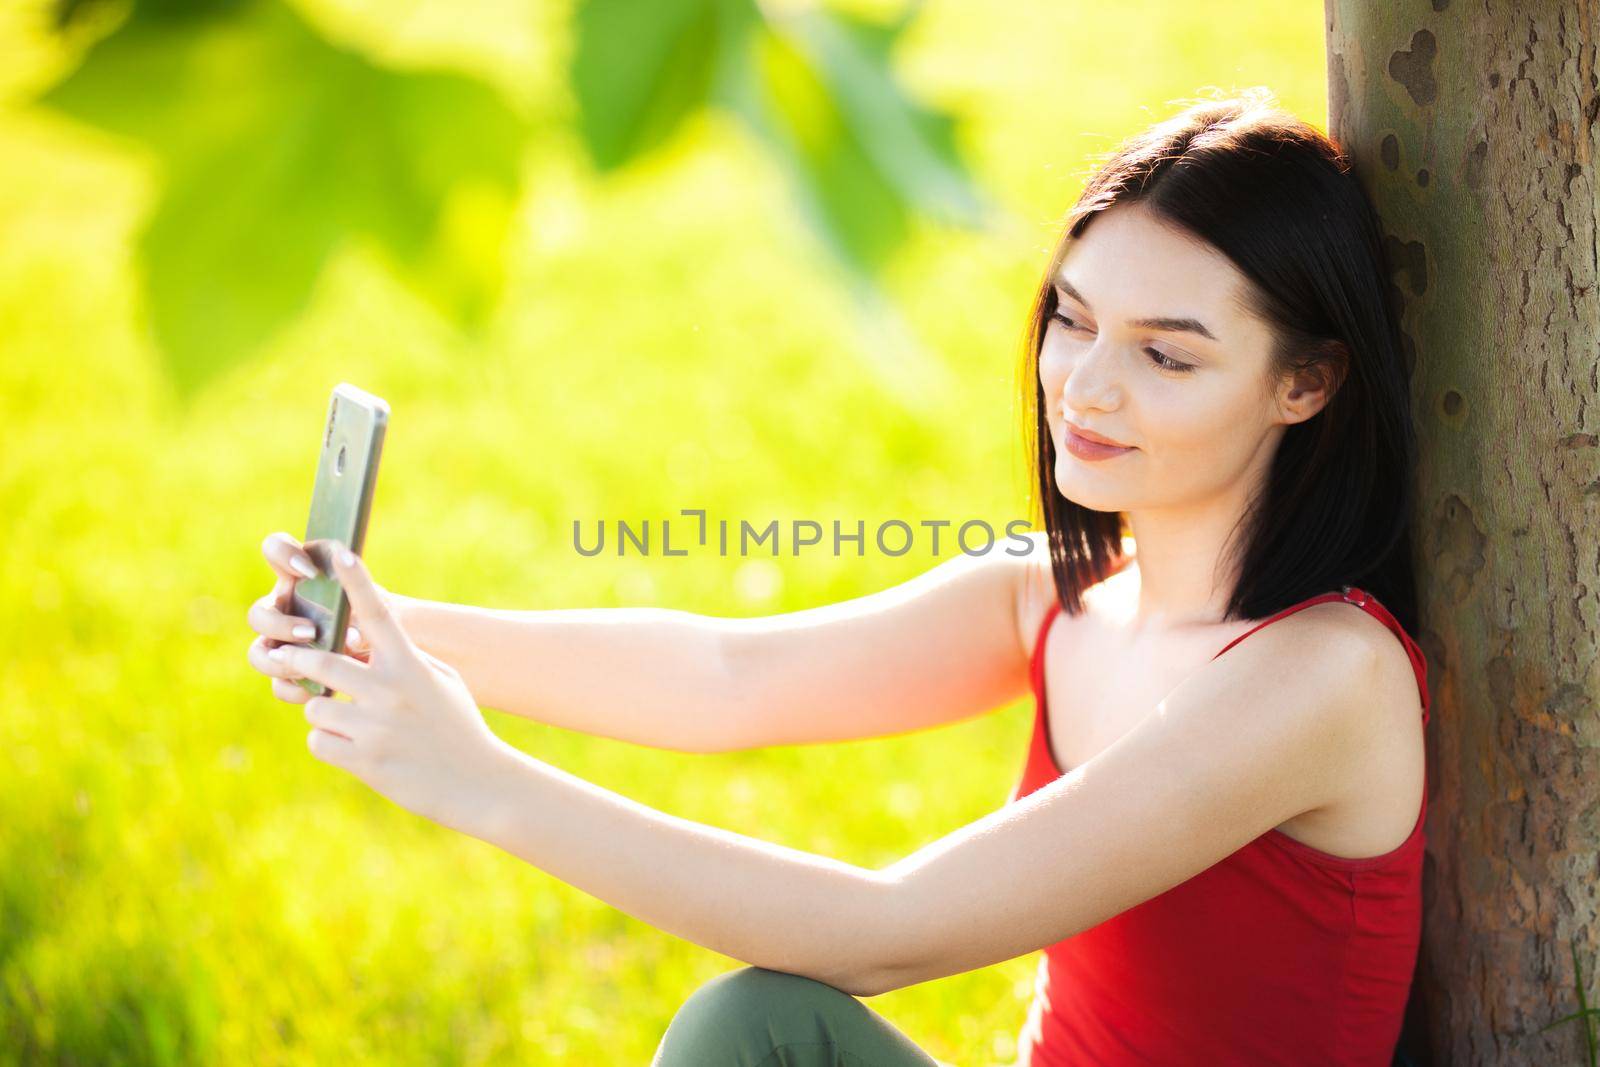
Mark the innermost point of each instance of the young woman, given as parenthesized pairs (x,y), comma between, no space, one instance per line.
(1219,855)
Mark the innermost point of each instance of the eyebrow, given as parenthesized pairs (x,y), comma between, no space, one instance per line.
(1164,323)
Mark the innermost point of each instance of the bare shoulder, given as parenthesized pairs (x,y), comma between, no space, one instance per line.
(1359,638)
(1358,659)
(1036,589)
(1372,735)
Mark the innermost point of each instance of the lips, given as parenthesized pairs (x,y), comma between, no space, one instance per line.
(1099,439)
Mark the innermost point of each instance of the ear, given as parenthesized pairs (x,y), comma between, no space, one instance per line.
(1308,389)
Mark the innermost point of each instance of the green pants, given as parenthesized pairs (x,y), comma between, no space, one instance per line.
(754,1017)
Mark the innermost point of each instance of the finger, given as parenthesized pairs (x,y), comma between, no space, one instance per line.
(282,593)
(289,691)
(439,663)
(287,556)
(336,716)
(332,669)
(383,630)
(331,748)
(266,619)
(260,657)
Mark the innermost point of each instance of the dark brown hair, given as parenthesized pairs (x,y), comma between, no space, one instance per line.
(1277,197)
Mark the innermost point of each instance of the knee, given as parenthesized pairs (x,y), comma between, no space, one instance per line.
(741,1015)
(758,988)
(762,998)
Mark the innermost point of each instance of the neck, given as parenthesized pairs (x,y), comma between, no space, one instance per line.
(1183,580)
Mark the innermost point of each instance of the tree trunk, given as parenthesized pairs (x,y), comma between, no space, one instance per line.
(1473,128)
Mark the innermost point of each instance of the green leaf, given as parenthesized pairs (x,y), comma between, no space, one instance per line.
(817,88)
(278,146)
(1586,1013)
(641,67)
(912,146)
(844,195)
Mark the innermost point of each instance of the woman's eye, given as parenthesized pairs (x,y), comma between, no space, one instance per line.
(1160,359)
(1066,320)
(1166,363)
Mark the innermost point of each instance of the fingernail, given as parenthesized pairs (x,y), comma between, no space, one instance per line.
(305,631)
(346,556)
(278,654)
(303,565)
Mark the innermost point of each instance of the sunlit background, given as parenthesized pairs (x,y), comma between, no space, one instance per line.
(604,261)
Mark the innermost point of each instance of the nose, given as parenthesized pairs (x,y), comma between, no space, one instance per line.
(1093,380)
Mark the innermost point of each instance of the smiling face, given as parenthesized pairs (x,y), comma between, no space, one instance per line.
(1122,357)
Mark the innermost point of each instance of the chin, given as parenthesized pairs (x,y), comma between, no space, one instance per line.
(1082,491)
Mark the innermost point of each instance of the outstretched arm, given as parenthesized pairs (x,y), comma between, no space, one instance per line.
(760,903)
(1239,747)
(412,731)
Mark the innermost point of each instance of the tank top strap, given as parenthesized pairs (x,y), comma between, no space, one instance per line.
(1290,610)
(1367,602)
(1036,665)
(1419,662)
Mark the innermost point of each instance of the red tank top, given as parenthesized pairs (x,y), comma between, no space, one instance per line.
(1277,954)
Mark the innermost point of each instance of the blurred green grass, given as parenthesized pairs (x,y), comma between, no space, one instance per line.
(180,881)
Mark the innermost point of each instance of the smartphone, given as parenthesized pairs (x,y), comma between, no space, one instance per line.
(341,502)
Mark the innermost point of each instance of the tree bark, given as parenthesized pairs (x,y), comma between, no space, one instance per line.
(1473,128)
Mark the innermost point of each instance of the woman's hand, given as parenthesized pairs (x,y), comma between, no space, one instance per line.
(411,729)
(270,618)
